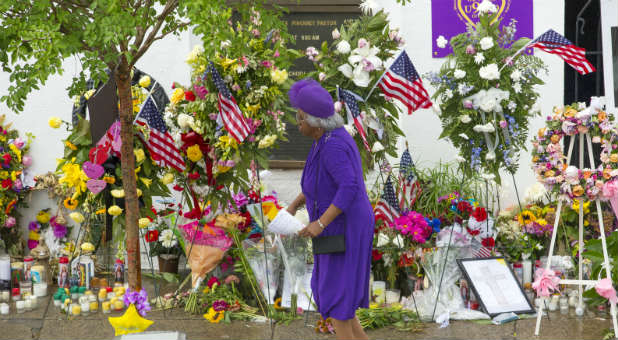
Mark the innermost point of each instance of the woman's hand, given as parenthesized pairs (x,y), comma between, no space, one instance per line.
(298,201)
(291,209)
(313,229)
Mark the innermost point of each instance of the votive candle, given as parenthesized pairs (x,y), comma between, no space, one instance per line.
(4,308)
(20,306)
(106,307)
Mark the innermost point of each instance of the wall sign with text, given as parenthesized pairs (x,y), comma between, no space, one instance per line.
(449,18)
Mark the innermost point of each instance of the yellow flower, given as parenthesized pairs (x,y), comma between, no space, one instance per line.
(254,108)
(143,222)
(117,193)
(168,178)
(147,181)
(214,316)
(542,221)
(139,192)
(109,179)
(270,210)
(279,76)
(87,247)
(114,210)
(88,94)
(139,155)
(277,304)
(100,211)
(228,221)
(16,151)
(227,62)
(526,217)
(70,145)
(73,177)
(267,141)
(13,176)
(43,217)
(77,217)
(578,190)
(223,169)
(194,153)
(226,142)
(144,81)
(177,95)
(70,203)
(194,54)
(206,290)
(575,206)
(4,174)
(33,235)
(54,122)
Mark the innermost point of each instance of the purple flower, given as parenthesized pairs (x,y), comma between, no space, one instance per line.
(220,305)
(60,231)
(503,124)
(139,300)
(32,244)
(240,199)
(34,226)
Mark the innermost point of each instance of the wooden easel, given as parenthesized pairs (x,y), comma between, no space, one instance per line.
(580,282)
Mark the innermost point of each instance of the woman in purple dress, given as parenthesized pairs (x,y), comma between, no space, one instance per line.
(334,191)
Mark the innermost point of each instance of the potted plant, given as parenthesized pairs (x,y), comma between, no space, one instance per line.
(164,244)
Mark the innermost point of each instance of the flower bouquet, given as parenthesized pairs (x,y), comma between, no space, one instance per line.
(487,98)
(355,62)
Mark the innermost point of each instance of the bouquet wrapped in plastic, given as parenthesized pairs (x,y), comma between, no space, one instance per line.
(205,247)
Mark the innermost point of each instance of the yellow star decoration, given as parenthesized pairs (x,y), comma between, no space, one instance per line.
(130,322)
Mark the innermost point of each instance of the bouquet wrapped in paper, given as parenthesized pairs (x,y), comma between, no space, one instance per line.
(205,247)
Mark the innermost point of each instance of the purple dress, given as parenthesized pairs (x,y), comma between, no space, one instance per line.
(340,282)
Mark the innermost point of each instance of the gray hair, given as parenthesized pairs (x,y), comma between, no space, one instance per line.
(333,122)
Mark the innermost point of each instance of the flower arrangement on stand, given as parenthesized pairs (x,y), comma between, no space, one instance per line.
(251,67)
(14,160)
(355,61)
(486,98)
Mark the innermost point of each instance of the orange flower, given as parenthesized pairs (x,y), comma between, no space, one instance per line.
(578,190)
(555,139)
(109,179)
(549,173)
(542,132)
(613,158)
(587,174)
(602,116)
(570,112)
(582,129)
(535,159)
(607,173)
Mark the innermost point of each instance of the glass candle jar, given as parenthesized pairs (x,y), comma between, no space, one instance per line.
(94,306)
(564,305)
(25,287)
(118,305)
(106,307)
(102,295)
(4,308)
(34,301)
(85,308)
(40,289)
(20,306)
(28,304)
(378,291)
(76,309)
(5,296)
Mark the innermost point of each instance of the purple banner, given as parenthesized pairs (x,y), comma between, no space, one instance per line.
(449,18)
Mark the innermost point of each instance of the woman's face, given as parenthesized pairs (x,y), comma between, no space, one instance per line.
(303,126)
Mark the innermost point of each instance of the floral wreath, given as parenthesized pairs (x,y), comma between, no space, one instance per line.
(549,162)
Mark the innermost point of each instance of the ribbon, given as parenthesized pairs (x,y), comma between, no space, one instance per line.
(610,192)
(545,282)
(605,288)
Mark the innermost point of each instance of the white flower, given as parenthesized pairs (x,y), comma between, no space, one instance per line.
(571,175)
(362,61)
(192,57)
(460,159)
(516,75)
(490,156)
(167,238)
(336,34)
(488,177)
(185,121)
(465,119)
(398,241)
(350,129)
(479,58)
(486,43)
(441,42)
(383,240)
(459,74)
(517,87)
(486,7)
(535,193)
(489,127)
(464,136)
(347,70)
(343,47)
(370,7)
(488,104)
(489,72)
(448,94)
(226,44)
(377,147)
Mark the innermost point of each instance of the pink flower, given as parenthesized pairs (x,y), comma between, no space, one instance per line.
(322,76)
(200,91)
(503,124)
(212,281)
(19,142)
(470,49)
(276,55)
(338,106)
(605,288)
(267,63)
(32,244)
(235,88)
(26,161)
(231,278)
(545,282)
(468,104)
(212,116)
(362,42)
(10,222)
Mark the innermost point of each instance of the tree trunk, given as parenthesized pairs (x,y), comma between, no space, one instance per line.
(122,77)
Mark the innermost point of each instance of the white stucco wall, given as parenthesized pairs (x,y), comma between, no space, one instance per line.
(165,62)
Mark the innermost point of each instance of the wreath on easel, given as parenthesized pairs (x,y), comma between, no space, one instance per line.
(552,166)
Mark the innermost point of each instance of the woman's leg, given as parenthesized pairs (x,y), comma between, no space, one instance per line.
(357,329)
(344,329)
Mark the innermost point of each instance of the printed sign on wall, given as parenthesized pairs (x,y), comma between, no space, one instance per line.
(450,17)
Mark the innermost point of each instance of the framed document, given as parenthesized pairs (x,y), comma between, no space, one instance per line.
(495,285)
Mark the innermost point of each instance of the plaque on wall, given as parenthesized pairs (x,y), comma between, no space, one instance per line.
(310,25)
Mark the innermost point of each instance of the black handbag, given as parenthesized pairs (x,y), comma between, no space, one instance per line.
(325,244)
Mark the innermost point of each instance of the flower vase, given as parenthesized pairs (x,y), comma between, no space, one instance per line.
(168,263)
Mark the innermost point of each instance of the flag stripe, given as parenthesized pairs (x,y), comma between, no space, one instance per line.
(233,119)
(403,83)
(399,83)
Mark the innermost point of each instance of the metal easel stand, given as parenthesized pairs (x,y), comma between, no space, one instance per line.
(580,282)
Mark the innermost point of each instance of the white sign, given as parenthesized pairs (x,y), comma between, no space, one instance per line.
(609,27)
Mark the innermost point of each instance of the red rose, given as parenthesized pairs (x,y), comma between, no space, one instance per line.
(194,175)
(7,183)
(152,235)
(473,232)
(190,96)
(7,158)
(178,188)
(464,206)
(194,214)
(376,255)
(488,242)
(480,214)
(212,281)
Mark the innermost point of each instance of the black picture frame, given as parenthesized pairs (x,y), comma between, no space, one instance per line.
(461,263)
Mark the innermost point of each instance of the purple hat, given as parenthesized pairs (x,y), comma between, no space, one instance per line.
(312,98)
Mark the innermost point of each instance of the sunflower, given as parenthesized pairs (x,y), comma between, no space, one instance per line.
(214,316)
(70,203)
(526,217)
(277,304)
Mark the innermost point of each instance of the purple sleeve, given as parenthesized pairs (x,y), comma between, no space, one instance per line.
(339,165)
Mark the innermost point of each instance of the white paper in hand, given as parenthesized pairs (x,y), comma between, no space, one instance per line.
(285,224)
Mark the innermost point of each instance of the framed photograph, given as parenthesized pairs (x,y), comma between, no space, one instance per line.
(495,285)
(609,28)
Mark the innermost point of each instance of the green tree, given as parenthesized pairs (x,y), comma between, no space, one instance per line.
(105,34)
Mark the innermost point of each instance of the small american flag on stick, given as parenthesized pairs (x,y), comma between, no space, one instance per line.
(349,98)
(387,208)
(403,83)
(554,43)
(160,143)
(232,117)
(410,186)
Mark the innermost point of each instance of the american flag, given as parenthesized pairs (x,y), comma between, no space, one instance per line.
(233,119)
(482,252)
(350,98)
(403,83)
(410,187)
(387,208)
(552,42)
(160,143)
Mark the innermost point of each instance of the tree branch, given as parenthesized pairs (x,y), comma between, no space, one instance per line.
(170,6)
